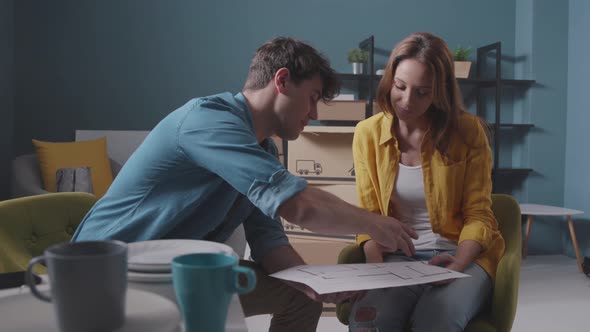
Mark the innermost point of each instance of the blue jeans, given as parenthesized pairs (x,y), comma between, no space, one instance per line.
(425,307)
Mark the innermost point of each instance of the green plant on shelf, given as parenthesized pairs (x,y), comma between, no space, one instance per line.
(358,55)
(461,53)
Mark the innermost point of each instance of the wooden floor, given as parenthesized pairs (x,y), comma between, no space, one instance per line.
(553,296)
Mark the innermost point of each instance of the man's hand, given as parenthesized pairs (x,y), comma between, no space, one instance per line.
(373,252)
(393,235)
(327,298)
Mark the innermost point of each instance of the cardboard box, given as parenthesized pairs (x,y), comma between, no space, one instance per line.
(322,154)
(346,192)
(342,110)
(316,251)
(317,248)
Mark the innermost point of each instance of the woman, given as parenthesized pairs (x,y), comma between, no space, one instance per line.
(427,162)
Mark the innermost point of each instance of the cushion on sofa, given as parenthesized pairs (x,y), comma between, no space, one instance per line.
(93,154)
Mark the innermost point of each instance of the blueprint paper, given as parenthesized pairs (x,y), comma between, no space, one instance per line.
(350,277)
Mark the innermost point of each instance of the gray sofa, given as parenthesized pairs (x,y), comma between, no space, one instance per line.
(26,175)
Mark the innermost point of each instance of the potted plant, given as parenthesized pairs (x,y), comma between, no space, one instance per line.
(462,64)
(357,57)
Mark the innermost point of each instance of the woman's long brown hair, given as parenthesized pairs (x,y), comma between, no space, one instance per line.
(447,104)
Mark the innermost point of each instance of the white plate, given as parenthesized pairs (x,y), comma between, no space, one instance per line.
(145,312)
(156,255)
(149,277)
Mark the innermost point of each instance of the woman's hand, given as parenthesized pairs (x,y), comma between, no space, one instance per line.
(447,261)
(466,253)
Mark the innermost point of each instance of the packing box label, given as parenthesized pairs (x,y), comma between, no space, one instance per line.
(322,155)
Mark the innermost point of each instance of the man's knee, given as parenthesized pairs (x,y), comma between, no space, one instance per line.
(301,314)
(304,303)
(365,314)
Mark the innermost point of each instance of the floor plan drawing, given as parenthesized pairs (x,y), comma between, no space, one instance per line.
(346,277)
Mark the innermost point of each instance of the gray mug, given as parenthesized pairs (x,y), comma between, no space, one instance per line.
(88,282)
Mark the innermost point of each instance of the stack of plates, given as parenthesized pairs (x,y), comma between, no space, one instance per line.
(150,261)
(149,269)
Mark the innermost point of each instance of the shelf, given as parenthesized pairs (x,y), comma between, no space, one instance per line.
(512,171)
(350,76)
(517,82)
(492,82)
(482,82)
(328,180)
(515,125)
(329,129)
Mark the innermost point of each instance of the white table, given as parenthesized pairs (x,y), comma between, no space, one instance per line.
(546,210)
(146,311)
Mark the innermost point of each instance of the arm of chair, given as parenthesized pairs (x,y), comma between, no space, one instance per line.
(352,254)
(506,291)
(14,257)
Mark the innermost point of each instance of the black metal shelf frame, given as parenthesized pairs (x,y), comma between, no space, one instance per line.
(496,82)
(368,45)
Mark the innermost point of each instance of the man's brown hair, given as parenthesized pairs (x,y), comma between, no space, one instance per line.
(302,61)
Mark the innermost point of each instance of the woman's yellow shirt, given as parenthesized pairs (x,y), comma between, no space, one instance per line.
(457,185)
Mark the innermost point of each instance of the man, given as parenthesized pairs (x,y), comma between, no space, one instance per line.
(211,165)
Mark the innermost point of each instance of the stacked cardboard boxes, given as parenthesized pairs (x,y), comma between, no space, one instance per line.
(349,110)
(323,156)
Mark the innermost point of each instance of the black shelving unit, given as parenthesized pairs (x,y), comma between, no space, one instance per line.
(497,83)
(368,45)
(478,83)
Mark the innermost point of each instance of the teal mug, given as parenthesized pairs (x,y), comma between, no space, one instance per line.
(204,284)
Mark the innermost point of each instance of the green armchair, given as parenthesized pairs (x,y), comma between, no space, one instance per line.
(28,225)
(501,314)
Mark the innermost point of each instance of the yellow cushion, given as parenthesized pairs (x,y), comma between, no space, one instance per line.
(53,156)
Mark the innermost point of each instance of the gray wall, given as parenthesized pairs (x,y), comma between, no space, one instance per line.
(542,39)
(6,94)
(577,156)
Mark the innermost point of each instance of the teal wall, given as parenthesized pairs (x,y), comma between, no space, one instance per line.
(577,155)
(114,64)
(542,40)
(6,95)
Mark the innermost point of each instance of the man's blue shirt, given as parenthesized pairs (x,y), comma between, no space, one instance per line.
(199,174)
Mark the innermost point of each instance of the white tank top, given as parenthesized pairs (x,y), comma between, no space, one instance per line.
(408,205)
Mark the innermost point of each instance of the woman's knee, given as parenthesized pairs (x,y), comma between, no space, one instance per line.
(450,319)
(387,310)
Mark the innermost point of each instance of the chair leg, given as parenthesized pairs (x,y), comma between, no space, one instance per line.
(574,241)
(529,223)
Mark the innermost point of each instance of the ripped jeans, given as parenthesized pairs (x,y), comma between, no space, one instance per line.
(423,308)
